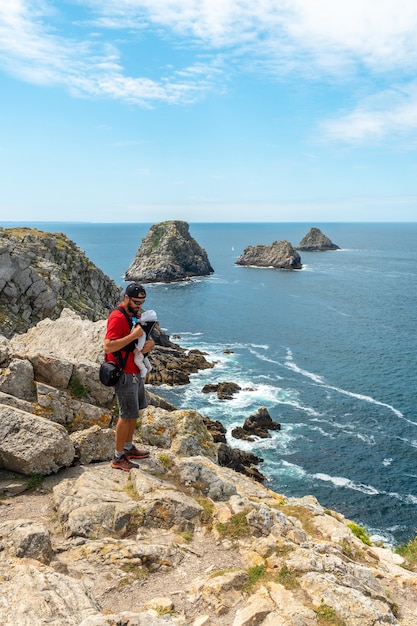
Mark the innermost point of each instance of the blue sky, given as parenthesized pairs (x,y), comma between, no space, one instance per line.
(208,110)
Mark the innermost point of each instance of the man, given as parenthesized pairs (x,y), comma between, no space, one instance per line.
(130,390)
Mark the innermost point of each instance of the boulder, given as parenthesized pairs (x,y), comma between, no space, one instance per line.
(181,431)
(168,253)
(315,241)
(280,255)
(30,444)
(24,538)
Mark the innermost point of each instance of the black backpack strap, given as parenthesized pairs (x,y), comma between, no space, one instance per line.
(122,361)
(129,319)
(129,348)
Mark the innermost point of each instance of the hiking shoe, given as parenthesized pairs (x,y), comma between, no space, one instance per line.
(123,463)
(135,453)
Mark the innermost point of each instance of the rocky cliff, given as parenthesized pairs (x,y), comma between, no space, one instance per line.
(280,255)
(184,540)
(41,274)
(180,541)
(315,241)
(168,253)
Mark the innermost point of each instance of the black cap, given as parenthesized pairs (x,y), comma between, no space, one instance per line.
(134,290)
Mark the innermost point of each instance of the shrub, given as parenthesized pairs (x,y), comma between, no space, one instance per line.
(236,526)
(409,552)
(360,533)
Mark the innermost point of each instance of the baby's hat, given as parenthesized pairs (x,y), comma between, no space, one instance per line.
(148,316)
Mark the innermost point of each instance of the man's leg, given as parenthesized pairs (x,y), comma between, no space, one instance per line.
(130,394)
(124,432)
(126,394)
(131,451)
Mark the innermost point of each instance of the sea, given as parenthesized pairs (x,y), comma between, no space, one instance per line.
(329,350)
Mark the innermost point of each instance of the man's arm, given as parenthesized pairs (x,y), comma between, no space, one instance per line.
(113,345)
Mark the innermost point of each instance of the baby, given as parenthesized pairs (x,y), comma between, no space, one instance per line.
(147,320)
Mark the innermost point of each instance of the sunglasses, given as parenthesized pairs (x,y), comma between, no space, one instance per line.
(138,300)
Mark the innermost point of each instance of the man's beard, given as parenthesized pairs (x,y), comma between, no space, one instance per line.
(131,311)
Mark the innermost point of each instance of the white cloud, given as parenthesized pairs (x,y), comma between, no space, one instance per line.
(390,112)
(317,39)
(36,54)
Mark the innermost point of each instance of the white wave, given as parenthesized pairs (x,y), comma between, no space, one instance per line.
(383,539)
(289,363)
(387,463)
(279,442)
(407,498)
(340,481)
(369,439)
(293,470)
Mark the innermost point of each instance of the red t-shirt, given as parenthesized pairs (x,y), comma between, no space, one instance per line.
(118,327)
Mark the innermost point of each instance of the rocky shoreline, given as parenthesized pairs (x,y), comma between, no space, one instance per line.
(194,537)
(182,540)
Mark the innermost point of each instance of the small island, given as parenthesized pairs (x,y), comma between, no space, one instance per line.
(168,254)
(315,241)
(279,255)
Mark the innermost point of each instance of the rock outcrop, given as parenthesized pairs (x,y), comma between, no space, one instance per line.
(41,274)
(280,255)
(54,411)
(184,542)
(314,241)
(257,425)
(167,254)
(224,390)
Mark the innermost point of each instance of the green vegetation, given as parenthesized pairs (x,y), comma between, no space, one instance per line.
(77,389)
(131,490)
(360,533)
(327,616)
(303,514)
(165,460)
(409,552)
(162,610)
(135,571)
(236,526)
(206,517)
(286,577)
(34,482)
(255,573)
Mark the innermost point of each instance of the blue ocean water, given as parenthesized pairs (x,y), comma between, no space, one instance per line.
(330,351)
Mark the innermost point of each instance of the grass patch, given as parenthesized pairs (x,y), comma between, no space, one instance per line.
(327,616)
(352,552)
(255,573)
(135,571)
(206,517)
(409,552)
(34,482)
(286,577)
(237,526)
(163,610)
(78,390)
(131,490)
(360,533)
(304,515)
(165,460)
